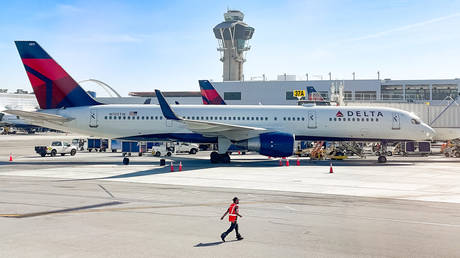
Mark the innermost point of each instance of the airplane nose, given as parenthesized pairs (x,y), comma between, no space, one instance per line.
(429,132)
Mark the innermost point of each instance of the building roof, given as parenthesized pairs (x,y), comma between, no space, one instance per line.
(183,94)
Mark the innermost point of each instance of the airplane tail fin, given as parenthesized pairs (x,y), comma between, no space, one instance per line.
(209,94)
(313,94)
(53,87)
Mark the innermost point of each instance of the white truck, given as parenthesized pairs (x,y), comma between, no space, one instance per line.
(185,147)
(168,148)
(56,147)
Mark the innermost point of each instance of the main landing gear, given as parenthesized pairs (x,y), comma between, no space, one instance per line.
(382,158)
(219,158)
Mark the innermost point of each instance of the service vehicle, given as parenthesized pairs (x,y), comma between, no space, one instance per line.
(56,147)
(184,147)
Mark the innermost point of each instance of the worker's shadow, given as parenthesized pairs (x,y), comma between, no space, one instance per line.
(212,243)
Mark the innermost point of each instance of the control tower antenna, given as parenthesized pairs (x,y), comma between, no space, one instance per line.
(233,38)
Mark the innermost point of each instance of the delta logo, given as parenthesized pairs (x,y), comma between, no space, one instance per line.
(361,114)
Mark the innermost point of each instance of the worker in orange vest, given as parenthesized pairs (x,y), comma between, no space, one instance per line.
(233,214)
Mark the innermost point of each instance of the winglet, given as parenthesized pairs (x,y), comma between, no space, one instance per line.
(165,108)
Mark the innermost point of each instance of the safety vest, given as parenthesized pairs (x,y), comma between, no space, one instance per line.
(232,212)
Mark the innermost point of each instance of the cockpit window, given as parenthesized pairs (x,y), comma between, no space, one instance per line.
(415,121)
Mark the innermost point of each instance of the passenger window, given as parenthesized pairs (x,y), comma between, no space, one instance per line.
(353,119)
(376,120)
(257,118)
(357,119)
(303,118)
(110,117)
(207,118)
(161,118)
(239,118)
(367,119)
(202,118)
(335,119)
(330,118)
(289,119)
(275,118)
(124,117)
(340,119)
(138,118)
(242,118)
(129,118)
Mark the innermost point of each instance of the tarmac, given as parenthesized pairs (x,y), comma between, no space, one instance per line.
(91,205)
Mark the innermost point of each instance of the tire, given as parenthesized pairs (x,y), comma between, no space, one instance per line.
(457,154)
(382,159)
(157,154)
(125,161)
(90,150)
(62,154)
(43,154)
(389,153)
(168,154)
(447,154)
(214,157)
(73,152)
(140,154)
(193,151)
(53,153)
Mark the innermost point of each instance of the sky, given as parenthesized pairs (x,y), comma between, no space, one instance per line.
(169,45)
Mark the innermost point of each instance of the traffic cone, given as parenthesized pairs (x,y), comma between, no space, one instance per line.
(172,167)
(331,170)
(11,157)
(298,162)
(281,163)
(239,153)
(269,157)
(180,166)
(287,162)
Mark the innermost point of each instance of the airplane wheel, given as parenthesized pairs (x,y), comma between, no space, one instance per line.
(225,158)
(214,157)
(382,159)
(125,161)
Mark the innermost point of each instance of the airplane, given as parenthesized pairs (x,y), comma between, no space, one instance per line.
(15,121)
(268,130)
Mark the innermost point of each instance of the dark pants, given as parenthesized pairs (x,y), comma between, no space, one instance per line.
(233,225)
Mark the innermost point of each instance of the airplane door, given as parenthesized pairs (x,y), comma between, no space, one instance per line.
(312,119)
(93,118)
(396,124)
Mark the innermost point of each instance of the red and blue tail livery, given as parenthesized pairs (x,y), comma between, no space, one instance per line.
(53,87)
(209,94)
(313,94)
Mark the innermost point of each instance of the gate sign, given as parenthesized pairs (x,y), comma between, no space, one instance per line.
(298,93)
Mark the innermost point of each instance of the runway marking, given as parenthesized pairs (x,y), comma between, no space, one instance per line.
(107,191)
(35,214)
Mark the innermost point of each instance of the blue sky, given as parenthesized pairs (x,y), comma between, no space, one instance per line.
(143,45)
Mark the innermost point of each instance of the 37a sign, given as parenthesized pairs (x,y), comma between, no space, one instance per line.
(298,93)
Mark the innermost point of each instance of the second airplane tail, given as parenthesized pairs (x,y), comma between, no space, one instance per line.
(209,94)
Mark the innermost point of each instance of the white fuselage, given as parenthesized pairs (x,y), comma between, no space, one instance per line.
(315,122)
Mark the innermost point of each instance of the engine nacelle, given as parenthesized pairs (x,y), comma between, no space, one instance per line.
(270,144)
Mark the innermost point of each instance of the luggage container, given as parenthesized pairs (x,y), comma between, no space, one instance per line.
(129,147)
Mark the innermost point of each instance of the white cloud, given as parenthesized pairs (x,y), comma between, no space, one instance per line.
(403,28)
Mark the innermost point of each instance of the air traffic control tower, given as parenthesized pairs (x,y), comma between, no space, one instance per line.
(233,35)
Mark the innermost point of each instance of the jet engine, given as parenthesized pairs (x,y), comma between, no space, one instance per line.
(274,144)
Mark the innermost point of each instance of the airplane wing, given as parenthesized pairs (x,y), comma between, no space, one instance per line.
(38,116)
(212,129)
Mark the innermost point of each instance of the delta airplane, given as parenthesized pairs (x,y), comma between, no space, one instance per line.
(268,130)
